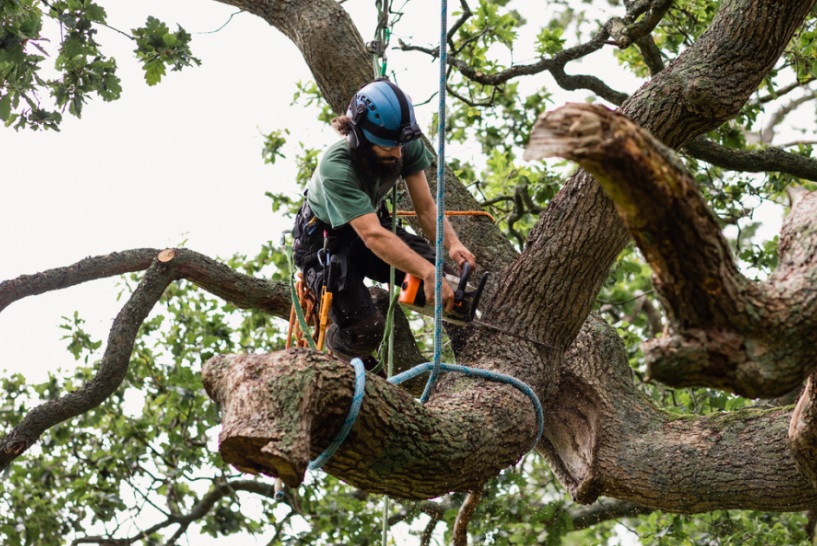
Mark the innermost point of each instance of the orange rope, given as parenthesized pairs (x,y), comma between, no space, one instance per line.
(309,305)
(452,213)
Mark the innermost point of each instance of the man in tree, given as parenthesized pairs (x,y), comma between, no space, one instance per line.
(344,212)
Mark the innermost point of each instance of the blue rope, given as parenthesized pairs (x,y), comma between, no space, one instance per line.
(436,366)
(360,388)
(357,401)
(438,264)
(486,374)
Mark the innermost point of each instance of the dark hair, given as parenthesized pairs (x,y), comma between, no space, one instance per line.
(343,125)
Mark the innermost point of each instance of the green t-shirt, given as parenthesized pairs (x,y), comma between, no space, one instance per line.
(340,190)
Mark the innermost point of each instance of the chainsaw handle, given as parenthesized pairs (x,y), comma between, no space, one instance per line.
(463,284)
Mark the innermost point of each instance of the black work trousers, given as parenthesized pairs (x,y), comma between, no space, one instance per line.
(357,326)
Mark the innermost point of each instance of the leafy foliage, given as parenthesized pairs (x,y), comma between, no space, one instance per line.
(81,69)
(157,48)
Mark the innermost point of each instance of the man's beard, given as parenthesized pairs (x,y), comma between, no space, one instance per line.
(380,168)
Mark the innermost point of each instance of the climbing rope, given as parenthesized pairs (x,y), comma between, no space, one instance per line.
(297,294)
(357,401)
(438,264)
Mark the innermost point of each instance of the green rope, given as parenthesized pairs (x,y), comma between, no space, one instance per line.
(393,291)
(385,520)
(386,350)
(295,301)
(382,35)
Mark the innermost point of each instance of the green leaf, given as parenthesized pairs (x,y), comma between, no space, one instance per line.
(5,107)
(154,70)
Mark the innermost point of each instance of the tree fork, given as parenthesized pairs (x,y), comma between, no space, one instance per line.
(604,437)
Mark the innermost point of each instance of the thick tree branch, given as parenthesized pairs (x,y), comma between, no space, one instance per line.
(729,333)
(243,291)
(89,269)
(281,410)
(604,437)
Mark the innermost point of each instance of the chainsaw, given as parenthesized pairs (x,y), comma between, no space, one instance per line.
(466,298)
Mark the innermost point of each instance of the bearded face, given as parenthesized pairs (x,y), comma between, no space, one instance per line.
(379,162)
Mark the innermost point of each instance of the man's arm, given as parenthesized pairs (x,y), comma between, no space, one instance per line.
(391,249)
(426,210)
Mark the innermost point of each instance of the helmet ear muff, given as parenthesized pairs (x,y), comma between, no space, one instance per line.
(354,137)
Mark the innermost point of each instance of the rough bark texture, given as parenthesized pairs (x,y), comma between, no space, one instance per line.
(646,456)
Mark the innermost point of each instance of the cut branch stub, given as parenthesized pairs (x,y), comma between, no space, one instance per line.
(803,432)
(281,410)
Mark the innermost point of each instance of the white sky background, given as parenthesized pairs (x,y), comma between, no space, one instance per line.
(180,161)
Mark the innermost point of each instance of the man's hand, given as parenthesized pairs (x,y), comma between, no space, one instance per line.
(460,255)
(392,250)
(428,288)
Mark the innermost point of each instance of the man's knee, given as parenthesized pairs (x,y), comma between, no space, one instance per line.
(358,338)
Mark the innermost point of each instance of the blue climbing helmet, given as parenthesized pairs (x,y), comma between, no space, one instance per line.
(382,114)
